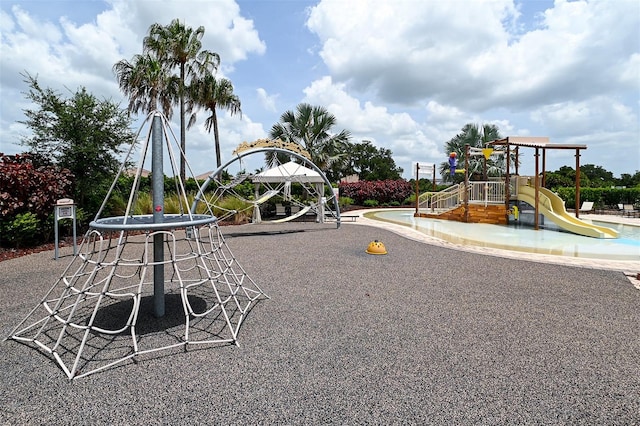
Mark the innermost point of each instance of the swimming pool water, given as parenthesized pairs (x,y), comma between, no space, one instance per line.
(521,238)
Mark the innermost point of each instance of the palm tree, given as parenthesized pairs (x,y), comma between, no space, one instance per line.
(476,137)
(310,126)
(211,94)
(177,45)
(147,83)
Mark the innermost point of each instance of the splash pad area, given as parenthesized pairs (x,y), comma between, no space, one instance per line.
(520,238)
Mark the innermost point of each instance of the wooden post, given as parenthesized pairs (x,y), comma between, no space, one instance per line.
(544,167)
(537,192)
(484,168)
(417,186)
(577,183)
(466,183)
(434,177)
(507,193)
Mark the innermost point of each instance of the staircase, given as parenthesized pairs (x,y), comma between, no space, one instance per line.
(485,204)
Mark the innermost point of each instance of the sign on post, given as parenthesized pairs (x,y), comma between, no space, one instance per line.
(65,209)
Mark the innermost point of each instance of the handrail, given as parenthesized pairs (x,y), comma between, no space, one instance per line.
(445,199)
(482,192)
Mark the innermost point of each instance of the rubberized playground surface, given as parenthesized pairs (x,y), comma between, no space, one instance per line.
(423,335)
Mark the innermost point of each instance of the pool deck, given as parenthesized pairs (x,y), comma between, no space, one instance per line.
(630,268)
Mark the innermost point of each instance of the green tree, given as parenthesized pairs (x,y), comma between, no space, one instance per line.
(558,180)
(598,176)
(628,180)
(565,176)
(310,127)
(179,46)
(82,134)
(371,163)
(476,137)
(211,93)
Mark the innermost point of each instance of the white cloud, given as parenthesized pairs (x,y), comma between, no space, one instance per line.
(406,51)
(571,71)
(597,115)
(65,54)
(398,132)
(267,101)
(405,74)
(227,33)
(630,71)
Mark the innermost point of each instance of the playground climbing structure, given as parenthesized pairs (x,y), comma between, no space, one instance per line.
(143,283)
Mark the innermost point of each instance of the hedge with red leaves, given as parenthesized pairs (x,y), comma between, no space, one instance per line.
(26,188)
(384,191)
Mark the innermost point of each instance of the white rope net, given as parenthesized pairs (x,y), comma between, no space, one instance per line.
(100,311)
(138,286)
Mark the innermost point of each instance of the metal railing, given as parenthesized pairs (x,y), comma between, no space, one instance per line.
(486,192)
(491,192)
(443,200)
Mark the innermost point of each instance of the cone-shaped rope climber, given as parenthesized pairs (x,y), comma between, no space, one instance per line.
(142,283)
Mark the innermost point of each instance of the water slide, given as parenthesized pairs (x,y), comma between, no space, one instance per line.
(552,207)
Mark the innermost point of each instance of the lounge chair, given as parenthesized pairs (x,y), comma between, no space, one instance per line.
(586,207)
(629,210)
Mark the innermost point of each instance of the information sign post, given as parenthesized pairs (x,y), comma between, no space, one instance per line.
(65,209)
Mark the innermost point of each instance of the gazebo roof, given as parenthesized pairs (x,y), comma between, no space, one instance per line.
(290,171)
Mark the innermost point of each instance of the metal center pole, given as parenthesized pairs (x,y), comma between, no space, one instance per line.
(158,215)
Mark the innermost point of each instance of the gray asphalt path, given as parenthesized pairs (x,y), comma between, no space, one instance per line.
(422,335)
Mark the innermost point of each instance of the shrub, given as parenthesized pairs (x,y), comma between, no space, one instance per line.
(143,204)
(116,205)
(603,197)
(66,225)
(28,193)
(243,214)
(410,200)
(175,204)
(345,201)
(370,203)
(22,231)
(26,188)
(383,191)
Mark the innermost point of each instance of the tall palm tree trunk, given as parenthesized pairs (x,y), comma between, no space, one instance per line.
(216,138)
(183,143)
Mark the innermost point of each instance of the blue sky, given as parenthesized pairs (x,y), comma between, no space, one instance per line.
(406,74)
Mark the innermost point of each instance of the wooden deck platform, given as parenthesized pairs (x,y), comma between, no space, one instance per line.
(478,213)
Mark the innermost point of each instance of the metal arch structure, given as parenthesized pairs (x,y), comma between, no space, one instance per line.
(279,150)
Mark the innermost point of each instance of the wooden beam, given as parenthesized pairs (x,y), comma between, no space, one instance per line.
(537,192)
(577,201)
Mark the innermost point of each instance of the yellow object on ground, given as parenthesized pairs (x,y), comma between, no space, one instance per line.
(376,247)
(515,212)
